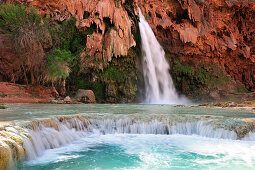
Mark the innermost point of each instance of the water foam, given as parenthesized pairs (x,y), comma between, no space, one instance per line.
(41,135)
(159,86)
(150,151)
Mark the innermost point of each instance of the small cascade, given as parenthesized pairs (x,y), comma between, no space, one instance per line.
(159,86)
(130,126)
(30,139)
(54,133)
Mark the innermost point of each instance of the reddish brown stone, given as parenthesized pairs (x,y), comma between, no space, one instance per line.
(216,30)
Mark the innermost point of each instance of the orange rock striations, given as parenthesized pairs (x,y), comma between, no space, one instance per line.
(214,30)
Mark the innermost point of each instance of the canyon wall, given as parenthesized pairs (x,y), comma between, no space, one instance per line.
(108,59)
(209,39)
(209,43)
(107,21)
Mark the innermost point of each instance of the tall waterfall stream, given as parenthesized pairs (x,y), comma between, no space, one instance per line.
(159,86)
(135,136)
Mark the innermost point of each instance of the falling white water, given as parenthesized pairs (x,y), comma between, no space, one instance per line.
(45,138)
(159,87)
(42,135)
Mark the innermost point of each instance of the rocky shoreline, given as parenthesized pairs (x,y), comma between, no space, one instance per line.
(15,93)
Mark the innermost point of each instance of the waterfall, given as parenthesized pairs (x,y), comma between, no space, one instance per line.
(159,87)
(32,138)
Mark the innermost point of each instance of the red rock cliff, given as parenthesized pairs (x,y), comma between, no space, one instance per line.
(96,13)
(212,31)
(208,30)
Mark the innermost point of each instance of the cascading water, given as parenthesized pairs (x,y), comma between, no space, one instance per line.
(33,138)
(159,87)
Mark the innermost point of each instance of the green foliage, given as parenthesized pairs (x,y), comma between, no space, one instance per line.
(241,89)
(67,37)
(60,56)
(103,47)
(89,31)
(117,3)
(13,17)
(57,65)
(28,35)
(3,94)
(189,77)
(202,75)
(112,73)
(184,69)
(97,87)
(2,106)
(99,90)
(147,17)
(86,15)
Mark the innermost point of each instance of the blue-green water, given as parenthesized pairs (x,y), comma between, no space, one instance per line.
(109,146)
(125,151)
(28,111)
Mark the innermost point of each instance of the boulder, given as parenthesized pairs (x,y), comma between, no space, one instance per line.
(85,96)
(67,99)
(232,104)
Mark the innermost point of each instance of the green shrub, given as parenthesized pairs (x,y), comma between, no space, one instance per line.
(13,17)
(2,106)
(28,35)
(66,36)
(58,65)
(112,73)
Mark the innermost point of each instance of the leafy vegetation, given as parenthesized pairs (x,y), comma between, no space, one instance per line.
(2,106)
(66,36)
(29,37)
(117,3)
(240,89)
(57,65)
(112,73)
(193,79)
(45,50)
(49,53)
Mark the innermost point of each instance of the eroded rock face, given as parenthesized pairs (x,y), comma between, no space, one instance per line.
(220,31)
(215,32)
(105,17)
